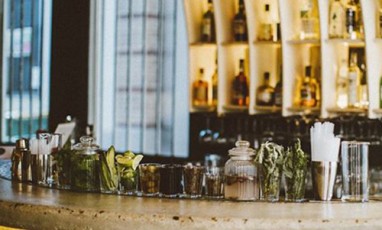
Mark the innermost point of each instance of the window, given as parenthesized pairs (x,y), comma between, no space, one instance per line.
(138,76)
(25,64)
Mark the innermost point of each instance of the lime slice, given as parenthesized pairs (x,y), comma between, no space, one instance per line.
(129,154)
(136,161)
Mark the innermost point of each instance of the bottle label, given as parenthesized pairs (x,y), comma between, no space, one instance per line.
(350,20)
(239,27)
(201,94)
(206,27)
(266,32)
(265,97)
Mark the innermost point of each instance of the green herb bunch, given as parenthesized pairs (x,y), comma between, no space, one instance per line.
(270,157)
(295,166)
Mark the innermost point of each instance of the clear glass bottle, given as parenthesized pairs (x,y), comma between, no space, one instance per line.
(342,85)
(352,16)
(240,87)
(279,90)
(241,174)
(308,89)
(354,80)
(362,88)
(85,166)
(265,92)
(240,24)
(309,21)
(200,90)
(208,24)
(336,19)
(266,32)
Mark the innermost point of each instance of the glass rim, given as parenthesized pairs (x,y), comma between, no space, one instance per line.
(355,142)
(149,164)
(170,166)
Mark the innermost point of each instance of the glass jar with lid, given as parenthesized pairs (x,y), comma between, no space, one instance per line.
(241,174)
(85,166)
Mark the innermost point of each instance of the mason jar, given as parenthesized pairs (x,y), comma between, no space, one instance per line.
(85,166)
(241,174)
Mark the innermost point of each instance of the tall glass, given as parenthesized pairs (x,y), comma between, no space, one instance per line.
(355,171)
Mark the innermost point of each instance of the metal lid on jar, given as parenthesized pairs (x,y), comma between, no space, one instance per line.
(22,144)
(86,147)
(242,149)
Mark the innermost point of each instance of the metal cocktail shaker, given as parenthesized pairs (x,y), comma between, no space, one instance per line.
(324,176)
(21,162)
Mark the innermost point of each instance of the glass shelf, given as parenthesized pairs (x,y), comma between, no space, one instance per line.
(203,108)
(235,108)
(270,109)
(304,110)
(347,110)
(257,42)
(234,43)
(304,42)
(203,44)
(355,42)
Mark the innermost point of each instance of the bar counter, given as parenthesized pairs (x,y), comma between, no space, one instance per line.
(33,207)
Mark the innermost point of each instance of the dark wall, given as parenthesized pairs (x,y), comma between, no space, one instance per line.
(69,63)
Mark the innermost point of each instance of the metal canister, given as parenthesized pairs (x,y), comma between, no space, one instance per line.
(21,161)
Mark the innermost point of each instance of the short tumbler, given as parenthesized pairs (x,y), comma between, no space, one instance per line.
(171,180)
(149,179)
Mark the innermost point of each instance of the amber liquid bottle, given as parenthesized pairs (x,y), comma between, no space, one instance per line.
(200,91)
(208,25)
(265,92)
(240,88)
(308,91)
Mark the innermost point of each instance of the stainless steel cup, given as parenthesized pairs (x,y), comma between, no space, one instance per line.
(324,176)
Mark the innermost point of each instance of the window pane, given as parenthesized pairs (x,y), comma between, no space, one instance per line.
(25,67)
(137,108)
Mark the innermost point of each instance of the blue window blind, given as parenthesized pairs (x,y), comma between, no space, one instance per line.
(140,87)
(25,67)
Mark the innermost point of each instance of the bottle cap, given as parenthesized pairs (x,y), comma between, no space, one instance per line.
(266,76)
(86,147)
(266,7)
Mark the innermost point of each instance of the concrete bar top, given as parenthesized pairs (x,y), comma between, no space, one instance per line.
(33,207)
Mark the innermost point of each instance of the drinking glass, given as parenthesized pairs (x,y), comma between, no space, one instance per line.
(214,182)
(170,180)
(150,178)
(355,171)
(193,180)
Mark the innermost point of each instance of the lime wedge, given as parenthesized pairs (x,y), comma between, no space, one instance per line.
(129,154)
(136,161)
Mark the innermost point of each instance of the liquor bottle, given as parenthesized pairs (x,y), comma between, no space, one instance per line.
(208,24)
(362,89)
(214,80)
(354,80)
(200,90)
(279,90)
(240,24)
(308,90)
(336,20)
(352,12)
(342,85)
(240,87)
(309,22)
(265,92)
(266,32)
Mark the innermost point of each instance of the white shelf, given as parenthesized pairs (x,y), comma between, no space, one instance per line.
(337,110)
(293,54)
